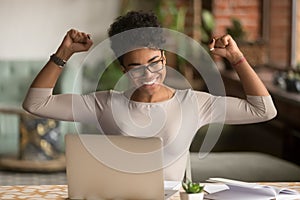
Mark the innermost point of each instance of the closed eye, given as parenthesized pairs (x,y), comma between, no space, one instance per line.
(154,63)
(142,66)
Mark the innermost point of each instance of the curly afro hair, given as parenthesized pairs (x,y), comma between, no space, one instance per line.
(136,29)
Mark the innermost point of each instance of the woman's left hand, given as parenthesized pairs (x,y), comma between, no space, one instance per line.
(225,47)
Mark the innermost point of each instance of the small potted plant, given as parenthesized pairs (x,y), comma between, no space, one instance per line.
(192,191)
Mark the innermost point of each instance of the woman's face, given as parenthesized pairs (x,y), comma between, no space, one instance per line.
(146,68)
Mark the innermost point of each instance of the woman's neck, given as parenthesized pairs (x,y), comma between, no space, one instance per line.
(163,94)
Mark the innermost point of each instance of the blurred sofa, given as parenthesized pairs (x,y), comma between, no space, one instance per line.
(235,156)
(244,166)
(15,79)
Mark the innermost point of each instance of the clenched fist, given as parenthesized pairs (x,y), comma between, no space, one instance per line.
(225,47)
(73,42)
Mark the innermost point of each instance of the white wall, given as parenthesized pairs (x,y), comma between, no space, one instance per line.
(33,29)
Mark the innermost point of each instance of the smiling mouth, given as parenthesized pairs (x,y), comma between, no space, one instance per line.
(149,82)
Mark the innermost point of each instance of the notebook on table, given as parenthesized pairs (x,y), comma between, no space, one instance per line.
(114,167)
(228,189)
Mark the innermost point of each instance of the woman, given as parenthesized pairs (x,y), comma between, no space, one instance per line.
(154,108)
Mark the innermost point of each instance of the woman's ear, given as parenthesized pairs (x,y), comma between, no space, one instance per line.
(164,56)
(123,69)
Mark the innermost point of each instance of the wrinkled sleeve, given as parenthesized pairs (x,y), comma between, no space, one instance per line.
(232,110)
(65,107)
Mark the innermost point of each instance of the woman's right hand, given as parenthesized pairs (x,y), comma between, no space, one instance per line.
(73,42)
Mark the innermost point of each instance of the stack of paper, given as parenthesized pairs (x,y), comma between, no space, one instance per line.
(172,185)
(237,190)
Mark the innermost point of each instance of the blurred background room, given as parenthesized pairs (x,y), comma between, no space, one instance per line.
(32,148)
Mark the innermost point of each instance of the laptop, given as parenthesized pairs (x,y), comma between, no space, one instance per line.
(114,167)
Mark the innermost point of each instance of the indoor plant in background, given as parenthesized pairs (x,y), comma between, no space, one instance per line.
(192,191)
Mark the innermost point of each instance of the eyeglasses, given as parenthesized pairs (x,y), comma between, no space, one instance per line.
(153,67)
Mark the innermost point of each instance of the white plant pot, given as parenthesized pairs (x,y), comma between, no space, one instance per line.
(194,196)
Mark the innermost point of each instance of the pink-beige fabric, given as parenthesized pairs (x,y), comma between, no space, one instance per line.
(175,120)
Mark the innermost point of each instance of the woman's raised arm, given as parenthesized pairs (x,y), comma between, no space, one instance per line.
(226,47)
(39,99)
(73,42)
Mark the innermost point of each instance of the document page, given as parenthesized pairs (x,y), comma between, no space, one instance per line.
(242,190)
(171,187)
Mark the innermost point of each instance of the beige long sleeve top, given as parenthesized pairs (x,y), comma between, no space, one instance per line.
(175,120)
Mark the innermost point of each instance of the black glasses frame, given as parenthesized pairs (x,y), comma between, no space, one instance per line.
(148,67)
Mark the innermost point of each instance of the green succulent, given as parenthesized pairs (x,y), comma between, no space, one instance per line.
(191,187)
